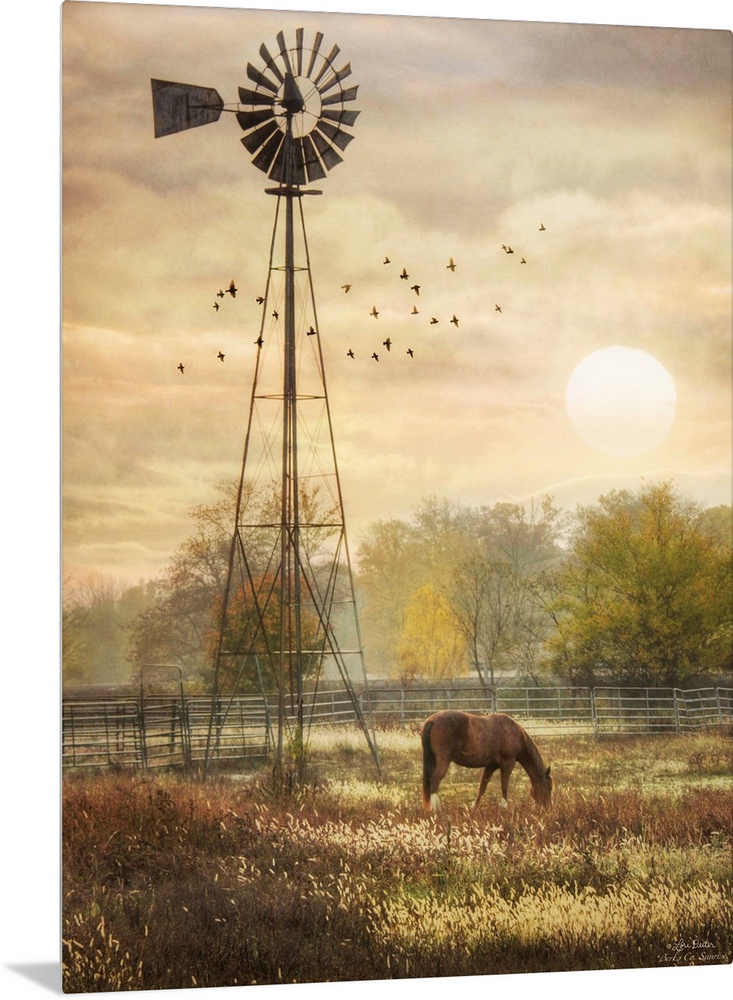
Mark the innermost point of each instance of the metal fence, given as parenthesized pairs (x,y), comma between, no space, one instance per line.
(623,711)
(101,733)
(162,731)
(156,731)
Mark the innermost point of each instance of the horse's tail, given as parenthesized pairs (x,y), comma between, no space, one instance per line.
(428,764)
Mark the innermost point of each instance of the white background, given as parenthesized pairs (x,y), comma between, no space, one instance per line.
(30,369)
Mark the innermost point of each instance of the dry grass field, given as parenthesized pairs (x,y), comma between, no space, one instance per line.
(171,882)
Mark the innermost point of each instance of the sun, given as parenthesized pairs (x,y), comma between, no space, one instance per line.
(621,401)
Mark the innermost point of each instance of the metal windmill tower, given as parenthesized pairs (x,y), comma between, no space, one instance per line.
(288,612)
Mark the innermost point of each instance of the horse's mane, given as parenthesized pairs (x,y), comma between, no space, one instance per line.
(534,757)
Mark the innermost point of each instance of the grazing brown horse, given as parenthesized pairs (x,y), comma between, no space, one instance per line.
(493,742)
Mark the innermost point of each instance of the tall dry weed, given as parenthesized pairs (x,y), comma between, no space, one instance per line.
(171,882)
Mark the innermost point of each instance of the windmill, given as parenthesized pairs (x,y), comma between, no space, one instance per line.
(288,610)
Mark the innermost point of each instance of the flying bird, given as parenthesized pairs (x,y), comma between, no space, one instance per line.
(310,332)
(276,314)
(376,357)
(454,320)
(415,311)
(386,261)
(415,289)
(497,308)
(259,300)
(404,274)
(220,294)
(259,341)
(374,312)
(508,249)
(451,265)
(349,353)
(180,369)
(232,289)
(433,320)
(220,356)
(216,306)
(346,288)
(387,343)
(410,352)
(542,227)
(523,260)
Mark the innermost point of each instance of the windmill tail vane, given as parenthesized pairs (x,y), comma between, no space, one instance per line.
(180,106)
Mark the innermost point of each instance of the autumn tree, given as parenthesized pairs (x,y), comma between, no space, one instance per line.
(73,632)
(396,559)
(387,573)
(486,565)
(183,623)
(430,646)
(95,615)
(179,627)
(645,597)
(496,591)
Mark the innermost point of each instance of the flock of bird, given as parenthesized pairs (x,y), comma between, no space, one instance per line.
(374,312)
(231,290)
(221,293)
(433,321)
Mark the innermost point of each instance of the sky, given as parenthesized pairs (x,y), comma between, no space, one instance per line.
(471,135)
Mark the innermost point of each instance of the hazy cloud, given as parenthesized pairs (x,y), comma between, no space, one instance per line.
(471,134)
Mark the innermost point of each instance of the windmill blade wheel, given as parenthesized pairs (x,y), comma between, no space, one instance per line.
(296,119)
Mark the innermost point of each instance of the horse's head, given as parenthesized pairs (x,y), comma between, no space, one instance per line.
(542,789)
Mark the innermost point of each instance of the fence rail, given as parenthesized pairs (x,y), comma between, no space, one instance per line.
(101,733)
(169,730)
(163,731)
(623,711)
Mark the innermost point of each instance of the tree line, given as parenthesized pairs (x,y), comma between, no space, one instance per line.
(634,589)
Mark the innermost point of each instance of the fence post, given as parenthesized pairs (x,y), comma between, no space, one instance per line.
(143,735)
(593,713)
(718,705)
(676,711)
(73,736)
(138,736)
(106,734)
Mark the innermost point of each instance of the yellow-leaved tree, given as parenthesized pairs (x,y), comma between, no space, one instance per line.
(430,645)
(645,596)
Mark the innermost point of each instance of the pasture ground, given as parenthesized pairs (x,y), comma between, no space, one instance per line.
(172,882)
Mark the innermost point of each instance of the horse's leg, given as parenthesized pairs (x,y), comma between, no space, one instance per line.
(441,769)
(488,771)
(506,769)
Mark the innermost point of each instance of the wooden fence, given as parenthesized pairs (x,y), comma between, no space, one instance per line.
(174,730)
